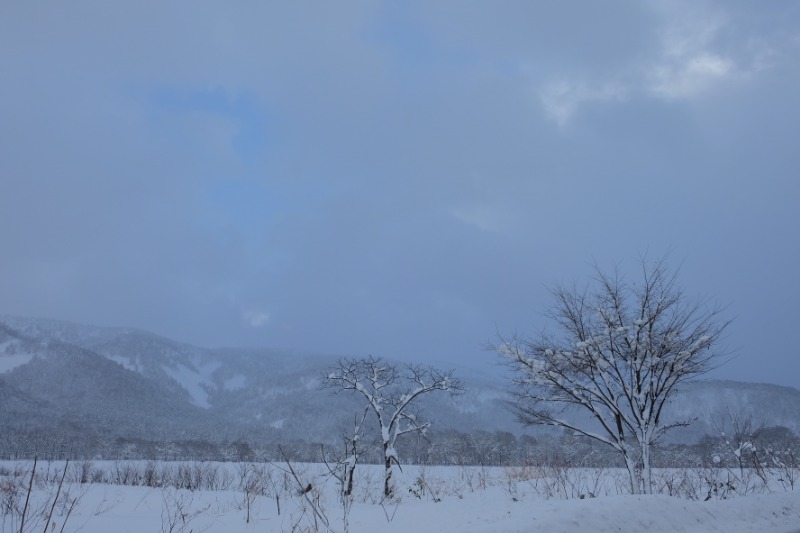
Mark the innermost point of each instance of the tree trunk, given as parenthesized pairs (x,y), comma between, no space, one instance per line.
(630,464)
(647,480)
(388,485)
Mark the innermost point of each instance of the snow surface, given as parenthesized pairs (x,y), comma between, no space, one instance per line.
(10,362)
(104,508)
(195,381)
(137,509)
(128,363)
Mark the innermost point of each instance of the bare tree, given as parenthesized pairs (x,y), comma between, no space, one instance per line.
(620,352)
(343,468)
(390,392)
(739,435)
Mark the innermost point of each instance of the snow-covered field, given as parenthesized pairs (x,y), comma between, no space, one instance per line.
(430,499)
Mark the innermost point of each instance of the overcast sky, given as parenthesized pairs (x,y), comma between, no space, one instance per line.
(401,179)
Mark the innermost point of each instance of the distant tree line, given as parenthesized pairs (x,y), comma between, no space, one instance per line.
(437,447)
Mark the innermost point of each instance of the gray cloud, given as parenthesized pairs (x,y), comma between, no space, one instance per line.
(402,180)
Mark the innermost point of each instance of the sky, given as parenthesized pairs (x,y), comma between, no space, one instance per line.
(402,179)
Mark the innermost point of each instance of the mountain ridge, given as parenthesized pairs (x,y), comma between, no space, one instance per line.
(130,383)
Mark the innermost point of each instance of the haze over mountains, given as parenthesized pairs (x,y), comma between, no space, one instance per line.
(58,379)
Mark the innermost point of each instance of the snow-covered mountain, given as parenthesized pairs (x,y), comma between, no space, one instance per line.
(131,383)
(57,377)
